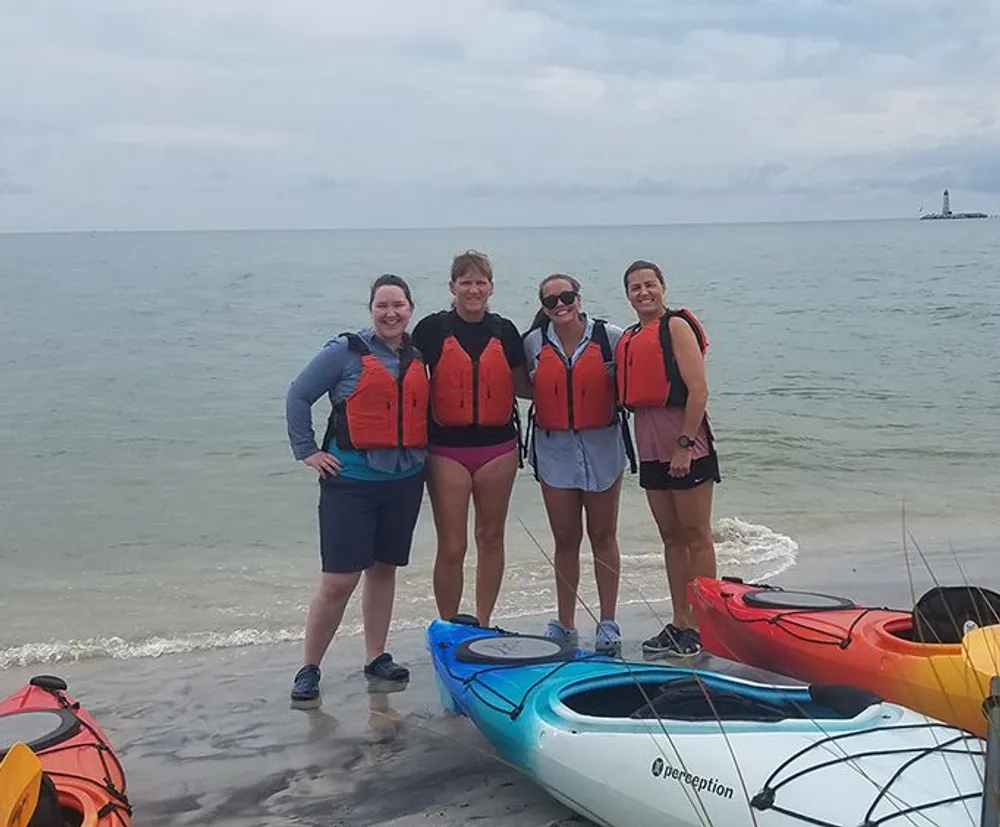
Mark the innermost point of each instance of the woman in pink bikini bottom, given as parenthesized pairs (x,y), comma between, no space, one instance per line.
(473,457)
(471,465)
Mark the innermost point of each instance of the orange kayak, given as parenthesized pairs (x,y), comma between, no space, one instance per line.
(75,753)
(937,659)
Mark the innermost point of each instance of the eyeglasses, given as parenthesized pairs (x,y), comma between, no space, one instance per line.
(566,297)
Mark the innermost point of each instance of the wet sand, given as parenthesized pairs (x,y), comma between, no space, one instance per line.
(210,738)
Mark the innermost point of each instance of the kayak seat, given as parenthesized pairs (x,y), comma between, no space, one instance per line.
(690,699)
(846,701)
(940,615)
(48,813)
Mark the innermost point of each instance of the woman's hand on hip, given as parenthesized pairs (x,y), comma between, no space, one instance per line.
(327,465)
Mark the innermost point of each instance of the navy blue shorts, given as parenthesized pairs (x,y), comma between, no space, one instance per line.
(361,523)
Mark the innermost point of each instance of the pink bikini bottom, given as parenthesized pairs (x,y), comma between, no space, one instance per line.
(476,456)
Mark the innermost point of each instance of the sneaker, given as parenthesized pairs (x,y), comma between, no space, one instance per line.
(673,642)
(305,689)
(692,640)
(608,640)
(561,634)
(384,669)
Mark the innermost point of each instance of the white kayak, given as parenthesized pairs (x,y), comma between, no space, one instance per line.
(652,745)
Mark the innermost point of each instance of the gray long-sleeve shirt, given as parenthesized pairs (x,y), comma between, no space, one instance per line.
(335,372)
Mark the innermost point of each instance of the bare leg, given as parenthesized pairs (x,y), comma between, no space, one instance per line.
(694,511)
(491,489)
(449,485)
(376,607)
(602,530)
(326,612)
(564,507)
(675,551)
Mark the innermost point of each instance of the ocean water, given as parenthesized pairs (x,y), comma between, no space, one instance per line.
(149,502)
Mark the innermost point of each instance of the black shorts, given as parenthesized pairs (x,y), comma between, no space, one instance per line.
(361,523)
(655,476)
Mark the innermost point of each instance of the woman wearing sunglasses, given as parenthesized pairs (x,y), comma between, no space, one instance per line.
(577,449)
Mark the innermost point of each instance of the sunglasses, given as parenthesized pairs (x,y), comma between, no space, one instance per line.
(566,297)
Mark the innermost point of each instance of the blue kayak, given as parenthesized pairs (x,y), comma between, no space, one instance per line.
(635,744)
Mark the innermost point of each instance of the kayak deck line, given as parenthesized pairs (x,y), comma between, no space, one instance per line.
(764,799)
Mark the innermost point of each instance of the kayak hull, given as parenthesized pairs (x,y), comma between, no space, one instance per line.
(73,749)
(582,727)
(864,646)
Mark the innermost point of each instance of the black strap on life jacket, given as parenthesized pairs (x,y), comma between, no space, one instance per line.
(492,324)
(521,438)
(599,335)
(667,346)
(338,411)
(356,344)
(627,439)
(674,378)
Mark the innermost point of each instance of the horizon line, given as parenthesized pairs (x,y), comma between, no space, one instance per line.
(446,227)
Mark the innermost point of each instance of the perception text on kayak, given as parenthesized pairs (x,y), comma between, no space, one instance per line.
(660,769)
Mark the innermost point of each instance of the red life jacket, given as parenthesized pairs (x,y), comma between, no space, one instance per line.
(577,397)
(645,366)
(472,391)
(383,411)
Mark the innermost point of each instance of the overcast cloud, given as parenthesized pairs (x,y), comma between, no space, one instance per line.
(322,113)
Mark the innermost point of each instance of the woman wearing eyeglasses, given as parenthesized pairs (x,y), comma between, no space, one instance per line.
(577,449)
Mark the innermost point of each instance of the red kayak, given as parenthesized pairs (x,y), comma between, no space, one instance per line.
(76,755)
(937,659)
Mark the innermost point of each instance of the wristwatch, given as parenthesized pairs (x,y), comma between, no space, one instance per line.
(685,441)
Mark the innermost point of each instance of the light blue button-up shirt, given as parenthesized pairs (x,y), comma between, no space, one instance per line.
(589,460)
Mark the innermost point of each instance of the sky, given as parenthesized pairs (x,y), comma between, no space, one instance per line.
(212,114)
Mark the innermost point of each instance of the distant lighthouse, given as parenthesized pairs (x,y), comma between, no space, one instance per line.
(947,213)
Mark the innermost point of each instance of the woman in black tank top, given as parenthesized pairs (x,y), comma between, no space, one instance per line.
(476,462)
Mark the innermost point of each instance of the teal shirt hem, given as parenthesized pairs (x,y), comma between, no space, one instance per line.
(354,466)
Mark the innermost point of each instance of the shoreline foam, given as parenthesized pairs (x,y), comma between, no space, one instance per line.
(750,550)
(745,548)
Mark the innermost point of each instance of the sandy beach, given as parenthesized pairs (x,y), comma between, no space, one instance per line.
(211,738)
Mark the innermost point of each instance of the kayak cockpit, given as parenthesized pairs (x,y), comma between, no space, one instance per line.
(691,698)
(941,621)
